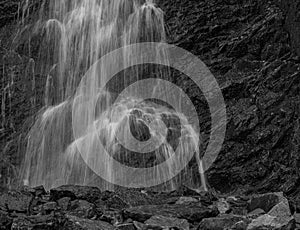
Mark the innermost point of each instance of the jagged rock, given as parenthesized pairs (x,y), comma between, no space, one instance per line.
(5,221)
(128,226)
(76,192)
(265,201)
(114,217)
(45,222)
(36,192)
(238,205)
(168,223)
(257,212)
(76,223)
(46,208)
(223,206)
(64,203)
(15,201)
(186,200)
(297,219)
(192,212)
(279,217)
(141,226)
(39,191)
(225,221)
(82,209)
(271,222)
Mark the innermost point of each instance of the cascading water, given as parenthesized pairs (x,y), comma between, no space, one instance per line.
(79,33)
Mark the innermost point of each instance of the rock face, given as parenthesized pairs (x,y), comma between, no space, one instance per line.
(252,48)
(77,210)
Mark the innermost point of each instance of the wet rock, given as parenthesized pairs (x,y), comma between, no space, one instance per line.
(81,208)
(76,192)
(168,223)
(14,201)
(226,221)
(192,212)
(76,223)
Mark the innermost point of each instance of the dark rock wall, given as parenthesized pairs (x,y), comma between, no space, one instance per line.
(249,45)
(250,48)
(292,21)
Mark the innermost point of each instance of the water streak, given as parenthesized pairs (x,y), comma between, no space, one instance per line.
(79,33)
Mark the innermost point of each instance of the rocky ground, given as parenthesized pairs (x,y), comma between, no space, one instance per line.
(77,207)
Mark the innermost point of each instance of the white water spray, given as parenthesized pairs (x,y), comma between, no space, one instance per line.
(80,32)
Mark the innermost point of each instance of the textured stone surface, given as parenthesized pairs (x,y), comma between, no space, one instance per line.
(168,222)
(278,217)
(265,202)
(76,192)
(250,47)
(15,201)
(76,223)
(246,46)
(192,212)
(222,222)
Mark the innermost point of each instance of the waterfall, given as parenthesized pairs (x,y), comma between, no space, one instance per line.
(81,113)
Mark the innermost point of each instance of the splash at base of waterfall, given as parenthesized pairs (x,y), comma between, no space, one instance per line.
(135,133)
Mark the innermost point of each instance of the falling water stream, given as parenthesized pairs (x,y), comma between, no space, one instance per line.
(78,34)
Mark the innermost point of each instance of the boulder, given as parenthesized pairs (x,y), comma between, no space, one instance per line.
(64,203)
(226,221)
(45,222)
(279,217)
(75,192)
(77,223)
(81,208)
(264,201)
(192,212)
(127,226)
(271,222)
(223,206)
(255,213)
(46,208)
(186,200)
(114,217)
(168,223)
